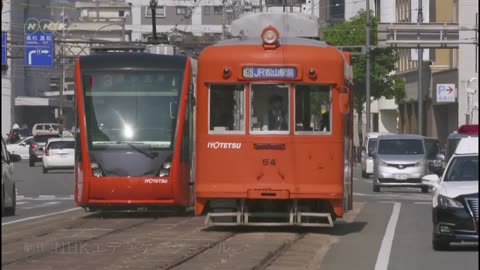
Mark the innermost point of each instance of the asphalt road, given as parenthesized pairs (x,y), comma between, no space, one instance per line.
(38,193)
(387,230)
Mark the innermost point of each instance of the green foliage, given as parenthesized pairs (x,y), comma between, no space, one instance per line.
(353,33)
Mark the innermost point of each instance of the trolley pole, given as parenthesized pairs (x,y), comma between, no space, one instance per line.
(367,79)
(420,75)
(153,6)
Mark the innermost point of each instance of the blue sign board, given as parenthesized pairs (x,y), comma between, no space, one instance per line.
(39,49)
(4,48)
(270,72)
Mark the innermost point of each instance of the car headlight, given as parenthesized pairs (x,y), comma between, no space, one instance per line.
(382,163)
(449,202)
(420,163)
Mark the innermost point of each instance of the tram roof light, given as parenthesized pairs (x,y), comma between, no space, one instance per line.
(270,35)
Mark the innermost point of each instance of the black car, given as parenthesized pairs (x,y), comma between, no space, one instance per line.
(38,145)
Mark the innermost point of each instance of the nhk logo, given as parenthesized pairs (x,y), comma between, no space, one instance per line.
(224,145)
(156,181)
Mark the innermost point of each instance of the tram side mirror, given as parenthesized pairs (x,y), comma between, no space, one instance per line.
(344,106)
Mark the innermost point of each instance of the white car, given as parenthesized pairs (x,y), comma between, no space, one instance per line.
(21,148)
(368,148)
(455,202)
(59,154)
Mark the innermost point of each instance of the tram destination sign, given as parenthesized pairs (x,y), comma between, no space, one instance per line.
(270,72)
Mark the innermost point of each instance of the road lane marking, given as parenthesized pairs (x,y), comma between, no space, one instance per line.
(40,205)
(422,202)
(46,215)
(386,247)
(20,203)
(47,196)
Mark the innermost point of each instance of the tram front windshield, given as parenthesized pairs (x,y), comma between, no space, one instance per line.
(131,112)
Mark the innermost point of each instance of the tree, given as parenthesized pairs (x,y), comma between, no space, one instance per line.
(382,81)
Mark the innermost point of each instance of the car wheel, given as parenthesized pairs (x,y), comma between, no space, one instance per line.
(31,163)
(45,170)
(439,244)
(364,174)
(11,210)
(424,189)
(376,188)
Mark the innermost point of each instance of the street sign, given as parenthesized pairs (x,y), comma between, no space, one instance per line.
(4,48)
(446,92)
(39,49)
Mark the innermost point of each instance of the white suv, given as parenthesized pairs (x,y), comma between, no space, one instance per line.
(455,202)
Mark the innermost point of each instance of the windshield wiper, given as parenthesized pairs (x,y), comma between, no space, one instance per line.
(132,145)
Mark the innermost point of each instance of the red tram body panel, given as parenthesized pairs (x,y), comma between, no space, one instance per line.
(134,127)
(273,132)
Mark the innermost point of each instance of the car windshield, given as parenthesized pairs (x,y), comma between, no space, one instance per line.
(372,144)
(44,138)
(62,145)
(131,107)
(463,169)
(400,147)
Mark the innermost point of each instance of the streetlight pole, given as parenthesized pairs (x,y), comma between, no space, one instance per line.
(153,6)
(420,76)
(367,77)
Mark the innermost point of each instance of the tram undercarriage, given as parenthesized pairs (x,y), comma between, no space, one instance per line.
(268,212)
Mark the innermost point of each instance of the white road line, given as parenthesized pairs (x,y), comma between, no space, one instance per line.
(20,203)
(41,205)
(47,196)
(422,203)
(46,215)
(386,247)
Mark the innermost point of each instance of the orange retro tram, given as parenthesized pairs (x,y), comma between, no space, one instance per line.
(273,132)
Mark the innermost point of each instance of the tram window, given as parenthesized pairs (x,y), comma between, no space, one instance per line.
(269,108)
(312,108)
(227,108)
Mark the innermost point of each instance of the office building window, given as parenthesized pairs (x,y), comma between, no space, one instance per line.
(181,10)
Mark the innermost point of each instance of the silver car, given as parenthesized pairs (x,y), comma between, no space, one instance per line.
(400,161)
(8,182)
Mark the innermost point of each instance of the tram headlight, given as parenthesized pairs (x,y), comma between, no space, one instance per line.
(165,169)
(164,172)
(167,165)
(96,171)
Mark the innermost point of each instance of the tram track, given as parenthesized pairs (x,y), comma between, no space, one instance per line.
(270,258)
(67,244)
(46,241)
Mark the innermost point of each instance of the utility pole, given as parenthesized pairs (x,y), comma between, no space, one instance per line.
(224,21)
(284,6)
(420,75)
(62,88)
(153,6)
(367,79)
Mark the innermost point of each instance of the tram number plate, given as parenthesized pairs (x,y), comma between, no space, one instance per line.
(400,176)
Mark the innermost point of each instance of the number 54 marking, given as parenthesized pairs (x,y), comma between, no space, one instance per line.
(269,162)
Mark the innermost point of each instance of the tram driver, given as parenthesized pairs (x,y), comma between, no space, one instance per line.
(276,118)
